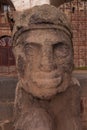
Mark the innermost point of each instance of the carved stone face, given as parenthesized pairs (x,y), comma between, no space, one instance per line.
(44,59)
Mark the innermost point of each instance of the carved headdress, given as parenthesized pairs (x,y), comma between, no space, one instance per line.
(39,17)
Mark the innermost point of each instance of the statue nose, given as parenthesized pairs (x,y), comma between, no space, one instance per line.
(47,61)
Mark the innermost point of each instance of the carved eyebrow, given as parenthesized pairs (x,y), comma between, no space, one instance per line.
(32,43)
(63,42)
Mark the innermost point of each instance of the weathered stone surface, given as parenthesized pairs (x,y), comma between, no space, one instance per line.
(36,16)
(44,59)
(42,26)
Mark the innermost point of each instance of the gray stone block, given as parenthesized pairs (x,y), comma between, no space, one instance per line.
(7,88)
(6,111)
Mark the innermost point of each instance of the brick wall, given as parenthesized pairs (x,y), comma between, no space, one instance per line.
(77,14)
(5,31)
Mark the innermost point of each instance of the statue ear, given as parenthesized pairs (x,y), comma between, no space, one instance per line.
(16,15)
(13,17)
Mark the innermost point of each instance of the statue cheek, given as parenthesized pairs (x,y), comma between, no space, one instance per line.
(21,65)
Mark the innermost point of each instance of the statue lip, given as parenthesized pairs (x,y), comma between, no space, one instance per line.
(47,79)
(48,83)
(46,75)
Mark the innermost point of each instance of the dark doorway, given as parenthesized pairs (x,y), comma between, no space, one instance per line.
(6,54)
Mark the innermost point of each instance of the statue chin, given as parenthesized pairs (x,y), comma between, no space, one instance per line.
(45,88)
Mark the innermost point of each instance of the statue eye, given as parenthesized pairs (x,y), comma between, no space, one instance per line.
(27,47)
(31,48)
(61,49)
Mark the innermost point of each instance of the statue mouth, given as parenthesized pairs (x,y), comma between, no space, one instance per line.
(47,79)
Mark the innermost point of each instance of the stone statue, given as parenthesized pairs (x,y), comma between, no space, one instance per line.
(47,97)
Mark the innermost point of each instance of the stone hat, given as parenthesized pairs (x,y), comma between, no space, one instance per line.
(44,16)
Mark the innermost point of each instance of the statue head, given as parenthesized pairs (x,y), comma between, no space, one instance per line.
(42,45)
